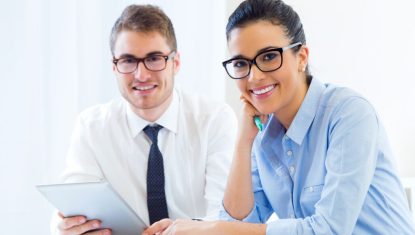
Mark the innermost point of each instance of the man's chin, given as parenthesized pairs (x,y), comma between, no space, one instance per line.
(142,106)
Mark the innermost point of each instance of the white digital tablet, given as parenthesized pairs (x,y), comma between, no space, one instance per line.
(95,200)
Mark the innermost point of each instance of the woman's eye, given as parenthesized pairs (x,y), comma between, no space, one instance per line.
(270,56)
(239,63)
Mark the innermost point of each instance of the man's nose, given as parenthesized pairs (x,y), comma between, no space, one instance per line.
(141,73)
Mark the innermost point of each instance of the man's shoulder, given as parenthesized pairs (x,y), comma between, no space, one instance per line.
(104,112)
(193,104)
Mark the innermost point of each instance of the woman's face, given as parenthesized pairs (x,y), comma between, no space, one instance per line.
(280,91)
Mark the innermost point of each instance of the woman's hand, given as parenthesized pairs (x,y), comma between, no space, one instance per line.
(248,129)
(158,227)
(180,227)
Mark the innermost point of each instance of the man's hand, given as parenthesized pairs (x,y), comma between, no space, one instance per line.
(79,225)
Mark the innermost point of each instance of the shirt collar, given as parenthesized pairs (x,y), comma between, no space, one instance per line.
(305,115)
(169,119)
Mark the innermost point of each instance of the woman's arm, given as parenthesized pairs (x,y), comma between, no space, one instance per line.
(190,227)
(239,199)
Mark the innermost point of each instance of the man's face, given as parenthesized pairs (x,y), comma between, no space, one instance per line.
(145,90)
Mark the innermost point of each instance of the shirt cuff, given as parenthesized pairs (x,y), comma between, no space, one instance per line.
(282,226)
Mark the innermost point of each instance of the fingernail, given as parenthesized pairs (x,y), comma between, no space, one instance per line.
(82,220)
(95,225)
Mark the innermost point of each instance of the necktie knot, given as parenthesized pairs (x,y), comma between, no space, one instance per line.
(152,132)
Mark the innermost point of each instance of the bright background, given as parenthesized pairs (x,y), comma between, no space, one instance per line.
(56,62)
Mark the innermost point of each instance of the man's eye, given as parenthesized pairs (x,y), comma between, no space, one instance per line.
(127,61)
(239,63)
(154,59)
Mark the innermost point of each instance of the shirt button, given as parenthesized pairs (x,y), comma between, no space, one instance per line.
(289,153)
(285,137)
(311,189)
(292,169)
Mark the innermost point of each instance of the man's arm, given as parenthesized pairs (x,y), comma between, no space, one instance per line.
(81,166)
(221,141)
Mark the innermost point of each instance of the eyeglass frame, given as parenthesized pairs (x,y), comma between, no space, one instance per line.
(165,57)
(253,61)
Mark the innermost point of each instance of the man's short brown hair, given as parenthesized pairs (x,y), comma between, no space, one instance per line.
(144,18)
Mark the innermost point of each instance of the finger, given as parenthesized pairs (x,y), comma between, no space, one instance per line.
(158,227)
(86,227)
(106,231)
(244,97)
(168,230)
(69,222)
(264,118)
(249,109)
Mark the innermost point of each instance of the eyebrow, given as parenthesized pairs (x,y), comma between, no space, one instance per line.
(239,56)
(151,53)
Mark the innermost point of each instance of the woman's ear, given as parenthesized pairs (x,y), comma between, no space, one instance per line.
(302,58)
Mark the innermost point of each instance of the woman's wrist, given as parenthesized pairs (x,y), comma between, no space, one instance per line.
(240,228)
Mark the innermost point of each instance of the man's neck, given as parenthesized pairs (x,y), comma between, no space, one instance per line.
(153,114)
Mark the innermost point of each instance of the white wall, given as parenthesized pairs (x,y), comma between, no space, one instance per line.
(56,61)
(369,46)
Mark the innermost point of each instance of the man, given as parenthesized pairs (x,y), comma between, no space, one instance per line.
(121,141)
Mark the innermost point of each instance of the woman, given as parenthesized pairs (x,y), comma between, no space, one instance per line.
(322,163)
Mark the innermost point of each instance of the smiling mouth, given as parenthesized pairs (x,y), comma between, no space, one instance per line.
(263,90)
(144,88)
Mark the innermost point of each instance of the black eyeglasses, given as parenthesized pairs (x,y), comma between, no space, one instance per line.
(266,61)
(155,63)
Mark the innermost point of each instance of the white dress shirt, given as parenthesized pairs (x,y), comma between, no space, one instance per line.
(197,144)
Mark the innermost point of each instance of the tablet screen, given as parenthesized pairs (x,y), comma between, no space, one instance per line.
(95,200)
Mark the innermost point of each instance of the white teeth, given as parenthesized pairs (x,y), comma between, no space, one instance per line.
(262,91)
(143,88)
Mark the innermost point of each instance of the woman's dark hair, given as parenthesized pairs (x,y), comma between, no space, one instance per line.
(273,11)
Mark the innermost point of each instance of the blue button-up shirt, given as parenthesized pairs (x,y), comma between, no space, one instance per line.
(331,172)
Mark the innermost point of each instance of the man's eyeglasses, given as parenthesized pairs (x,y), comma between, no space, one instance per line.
(155,63)
(266,61)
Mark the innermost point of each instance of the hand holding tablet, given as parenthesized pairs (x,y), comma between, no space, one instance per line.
(95,201)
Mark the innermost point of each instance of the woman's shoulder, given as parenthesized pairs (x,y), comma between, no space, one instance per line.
(335,95)
(340,93)
(340,99)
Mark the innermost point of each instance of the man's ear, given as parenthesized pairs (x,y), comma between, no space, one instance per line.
(114,68)
(176,62)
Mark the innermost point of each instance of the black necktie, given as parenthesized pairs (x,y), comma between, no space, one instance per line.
(156,197)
